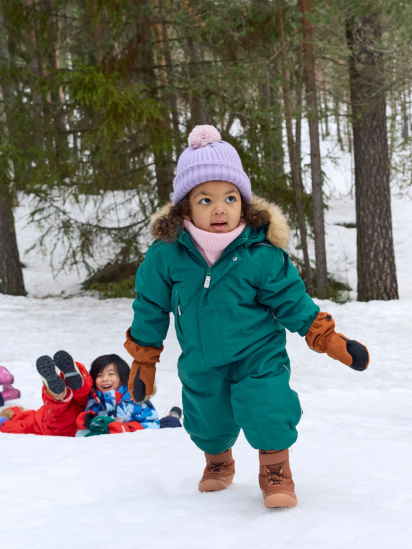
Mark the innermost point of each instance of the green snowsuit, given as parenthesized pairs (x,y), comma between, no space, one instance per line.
(230,321)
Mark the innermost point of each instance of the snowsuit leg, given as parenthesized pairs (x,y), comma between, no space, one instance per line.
(55,417)
(81,395)
(207,408)
(264,405)
(252,394)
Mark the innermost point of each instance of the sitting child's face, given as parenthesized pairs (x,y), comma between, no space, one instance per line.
(215,206)
(108,379)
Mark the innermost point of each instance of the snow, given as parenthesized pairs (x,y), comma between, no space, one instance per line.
(351,463)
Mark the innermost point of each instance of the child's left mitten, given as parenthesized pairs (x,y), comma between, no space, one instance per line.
(322,338)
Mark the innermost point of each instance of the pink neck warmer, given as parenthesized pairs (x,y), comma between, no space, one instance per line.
(212,245)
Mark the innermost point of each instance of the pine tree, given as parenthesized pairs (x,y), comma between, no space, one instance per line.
(376,259)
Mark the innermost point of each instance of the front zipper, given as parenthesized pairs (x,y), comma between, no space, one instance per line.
(208,278)
(199,256)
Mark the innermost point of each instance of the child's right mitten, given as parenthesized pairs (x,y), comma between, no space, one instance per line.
(143,371)
(322,338)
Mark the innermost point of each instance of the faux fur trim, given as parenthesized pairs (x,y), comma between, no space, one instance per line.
(278,233)
(163,212)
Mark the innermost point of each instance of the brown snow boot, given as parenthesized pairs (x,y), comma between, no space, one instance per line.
(218,473)
(275,479)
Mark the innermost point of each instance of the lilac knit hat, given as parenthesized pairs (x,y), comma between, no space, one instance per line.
(208,158)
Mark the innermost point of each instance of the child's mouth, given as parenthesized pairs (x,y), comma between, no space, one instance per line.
(219,225)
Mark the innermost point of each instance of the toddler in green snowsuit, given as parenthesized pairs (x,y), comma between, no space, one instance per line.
(218,264)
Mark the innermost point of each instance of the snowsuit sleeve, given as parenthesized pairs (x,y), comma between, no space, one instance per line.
(282,289)
(152,306)
(146,415)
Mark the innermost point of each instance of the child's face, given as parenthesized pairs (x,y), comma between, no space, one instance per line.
(108,379)
(215,206)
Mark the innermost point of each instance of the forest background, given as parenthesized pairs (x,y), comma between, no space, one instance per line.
(98,97)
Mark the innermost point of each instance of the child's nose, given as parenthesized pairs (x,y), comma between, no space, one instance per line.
(219,209)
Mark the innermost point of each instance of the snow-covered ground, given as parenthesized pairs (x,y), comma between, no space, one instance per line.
(351,463)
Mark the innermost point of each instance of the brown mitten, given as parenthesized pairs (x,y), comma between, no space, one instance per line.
(322,338)
(142,374)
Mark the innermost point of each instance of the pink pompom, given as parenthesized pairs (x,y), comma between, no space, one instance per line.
(201,136)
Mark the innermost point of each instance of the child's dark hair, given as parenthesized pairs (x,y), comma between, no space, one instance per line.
(168,225)
(100,363)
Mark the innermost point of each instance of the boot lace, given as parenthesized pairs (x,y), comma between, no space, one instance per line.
(216,467)
(275,475)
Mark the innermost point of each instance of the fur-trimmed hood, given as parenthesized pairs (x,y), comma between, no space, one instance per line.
(278,232)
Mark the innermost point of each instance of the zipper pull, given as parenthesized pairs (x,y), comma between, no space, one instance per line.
(208,278)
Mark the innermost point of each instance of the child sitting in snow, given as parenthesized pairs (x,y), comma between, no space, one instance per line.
(218,263)
(78,403)
(8,392)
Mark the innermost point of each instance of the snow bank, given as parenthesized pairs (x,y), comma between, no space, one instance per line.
(351,463)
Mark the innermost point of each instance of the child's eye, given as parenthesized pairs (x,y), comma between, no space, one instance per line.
(231,199)
(203,201)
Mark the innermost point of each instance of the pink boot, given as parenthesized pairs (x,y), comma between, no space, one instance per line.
(5,376)
(10,393)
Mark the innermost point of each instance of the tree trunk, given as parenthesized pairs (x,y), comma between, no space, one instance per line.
(11,275)
(322,288)
(171,94)
(271,136)
(392,130)
(405,117)
(162,157)
(337,122)
(325,108)
(348,127)
(198,106)
(298,122)
(56,97)
(376,258)
(292,155)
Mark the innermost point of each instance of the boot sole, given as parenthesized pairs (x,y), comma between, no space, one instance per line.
(215,484)
(71,372)
(280,500)
(47,370)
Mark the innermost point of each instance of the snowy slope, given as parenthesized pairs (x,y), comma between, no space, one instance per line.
(351,463)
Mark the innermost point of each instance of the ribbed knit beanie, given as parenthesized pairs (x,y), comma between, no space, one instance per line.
(209,158)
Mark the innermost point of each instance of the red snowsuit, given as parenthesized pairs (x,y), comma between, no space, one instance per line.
(55,417)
